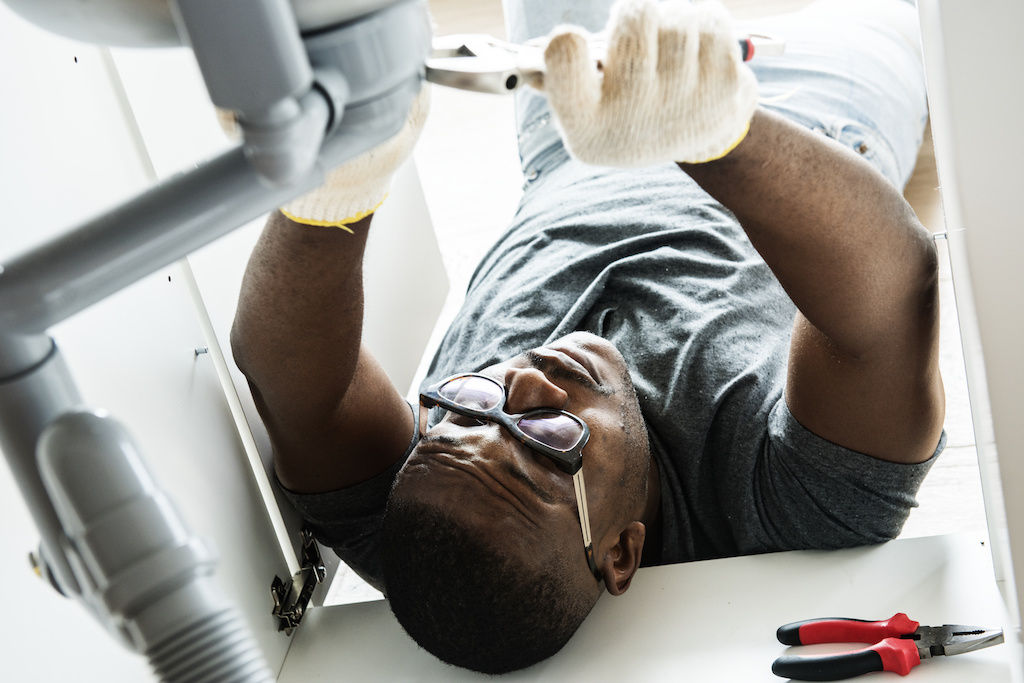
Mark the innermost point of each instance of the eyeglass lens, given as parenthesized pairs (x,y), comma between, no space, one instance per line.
(554,429)
(475,393)
(557,430)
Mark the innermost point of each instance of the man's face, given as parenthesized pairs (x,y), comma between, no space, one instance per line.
(491,481)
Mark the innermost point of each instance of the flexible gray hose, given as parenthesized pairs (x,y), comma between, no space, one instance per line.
(219,649)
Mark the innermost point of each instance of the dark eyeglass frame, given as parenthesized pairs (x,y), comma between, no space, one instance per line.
(569,461)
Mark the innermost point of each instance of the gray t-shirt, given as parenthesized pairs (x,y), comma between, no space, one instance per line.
(646,259)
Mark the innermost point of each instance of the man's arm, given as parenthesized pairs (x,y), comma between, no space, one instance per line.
(861,269)
(863,368)
(333,415)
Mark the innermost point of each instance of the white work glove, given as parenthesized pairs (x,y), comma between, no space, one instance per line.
(358,187)
(673,86)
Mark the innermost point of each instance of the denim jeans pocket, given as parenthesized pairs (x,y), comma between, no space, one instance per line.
(867,144)
(543,162)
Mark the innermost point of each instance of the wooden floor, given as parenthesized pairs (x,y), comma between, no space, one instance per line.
(469,168)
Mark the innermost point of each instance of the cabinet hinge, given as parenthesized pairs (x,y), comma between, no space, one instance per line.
(291,597)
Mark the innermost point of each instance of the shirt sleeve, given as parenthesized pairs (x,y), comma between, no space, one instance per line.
(348,520)
(812,493)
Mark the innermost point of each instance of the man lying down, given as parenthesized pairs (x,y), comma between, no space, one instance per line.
(711,329)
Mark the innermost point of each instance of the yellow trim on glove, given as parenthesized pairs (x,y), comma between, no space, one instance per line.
(727,149)
(343,223)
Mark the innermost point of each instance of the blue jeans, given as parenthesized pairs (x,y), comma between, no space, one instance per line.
(850,72)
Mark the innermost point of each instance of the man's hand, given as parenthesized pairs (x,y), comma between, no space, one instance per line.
(672,88)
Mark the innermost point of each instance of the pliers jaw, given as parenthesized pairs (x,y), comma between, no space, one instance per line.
(953,639)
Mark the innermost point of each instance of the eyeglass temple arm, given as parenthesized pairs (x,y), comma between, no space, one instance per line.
(581,505)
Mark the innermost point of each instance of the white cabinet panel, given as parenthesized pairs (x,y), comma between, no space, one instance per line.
(706,621)
(973,70)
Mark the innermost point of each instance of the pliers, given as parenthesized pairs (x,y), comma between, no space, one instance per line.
(900,644)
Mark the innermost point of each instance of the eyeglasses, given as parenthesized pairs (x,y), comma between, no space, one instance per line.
(557,434)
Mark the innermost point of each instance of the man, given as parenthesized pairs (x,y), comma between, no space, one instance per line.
(740,349)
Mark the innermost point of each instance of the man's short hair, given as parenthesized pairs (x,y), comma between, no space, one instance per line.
(465,601)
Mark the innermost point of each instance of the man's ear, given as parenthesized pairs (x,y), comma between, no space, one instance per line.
(621,561)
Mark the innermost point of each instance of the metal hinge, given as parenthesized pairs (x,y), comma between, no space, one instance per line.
(291,597)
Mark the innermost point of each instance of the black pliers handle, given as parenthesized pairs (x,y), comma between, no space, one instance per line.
(898,645)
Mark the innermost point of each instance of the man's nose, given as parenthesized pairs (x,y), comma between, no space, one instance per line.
(529,388)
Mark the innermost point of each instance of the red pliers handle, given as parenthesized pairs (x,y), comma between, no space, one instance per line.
(837,630)
(889,652)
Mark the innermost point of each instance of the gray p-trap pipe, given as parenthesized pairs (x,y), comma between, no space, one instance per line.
(384,54)
(61,277)
(146,576)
